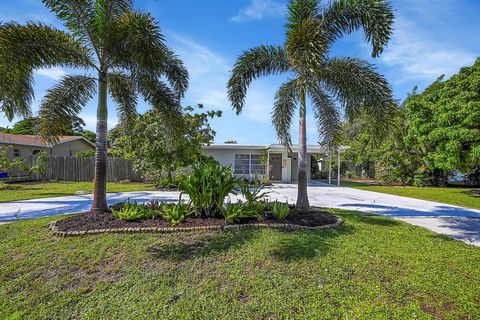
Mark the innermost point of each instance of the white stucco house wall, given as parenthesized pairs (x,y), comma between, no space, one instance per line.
(244,159)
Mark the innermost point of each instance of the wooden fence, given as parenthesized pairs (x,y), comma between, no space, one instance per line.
(83,169)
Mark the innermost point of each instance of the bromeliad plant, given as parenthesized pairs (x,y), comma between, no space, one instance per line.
(132,211)
(207,186)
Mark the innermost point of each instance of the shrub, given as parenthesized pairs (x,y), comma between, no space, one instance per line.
(131,211)
(175,213)
(280,210)
(252,196)
(7,186)
(207,186)
(235,212)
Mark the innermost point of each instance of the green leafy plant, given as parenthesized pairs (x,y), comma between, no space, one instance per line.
(236,212)
(40,163)
(280,210)
(176,213)
(207,186)
(252,195)
(132,211)
(7,186)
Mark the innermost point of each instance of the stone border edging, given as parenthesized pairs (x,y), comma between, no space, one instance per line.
(282,226)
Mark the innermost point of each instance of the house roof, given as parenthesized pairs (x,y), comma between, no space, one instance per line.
(272,147)
(36,141)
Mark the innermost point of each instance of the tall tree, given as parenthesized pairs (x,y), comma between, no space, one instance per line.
(311,30)
(118,51)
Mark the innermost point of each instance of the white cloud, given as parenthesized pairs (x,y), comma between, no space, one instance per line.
(209,72)
(260,9)
(52,73)
(419,56)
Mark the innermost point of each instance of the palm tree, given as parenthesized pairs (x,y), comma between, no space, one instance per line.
(311,30)
(118,51)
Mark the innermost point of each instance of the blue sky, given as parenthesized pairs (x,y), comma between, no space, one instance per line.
(431,38)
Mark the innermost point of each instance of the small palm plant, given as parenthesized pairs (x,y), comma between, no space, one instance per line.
(118,52)
(311,30)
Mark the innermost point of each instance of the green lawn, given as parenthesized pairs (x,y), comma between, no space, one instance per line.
(372,268)
(465,197)
(56,189)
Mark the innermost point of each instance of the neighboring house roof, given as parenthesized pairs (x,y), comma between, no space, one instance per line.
(272,147)
(36,141)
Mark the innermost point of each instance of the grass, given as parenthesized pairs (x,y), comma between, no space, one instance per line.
(460,196)
(57,189)
(371,268)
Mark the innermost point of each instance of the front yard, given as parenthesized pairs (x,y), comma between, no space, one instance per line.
(36,190)
(373,267)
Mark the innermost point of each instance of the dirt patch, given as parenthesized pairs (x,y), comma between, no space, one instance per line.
(95,220)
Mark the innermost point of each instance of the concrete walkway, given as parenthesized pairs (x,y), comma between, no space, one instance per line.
(456,222)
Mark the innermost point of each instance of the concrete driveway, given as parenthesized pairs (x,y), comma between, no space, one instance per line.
(456,222)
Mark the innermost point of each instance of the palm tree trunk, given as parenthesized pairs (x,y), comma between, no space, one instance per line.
(99,193)
(302,205)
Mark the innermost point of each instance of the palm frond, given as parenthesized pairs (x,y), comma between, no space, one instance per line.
(175,72)
(62,104)
(284,107)
(16,92)
(78,16)
(136,43)
(259,61)
(327,115)
(24,48)
(306,45)
(105,12)
(33,45)
(356,84)
(299,10)
(157,94)
(123,92)
(374,16)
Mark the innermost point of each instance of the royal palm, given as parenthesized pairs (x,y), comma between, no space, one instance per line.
(114,51)
(329,83)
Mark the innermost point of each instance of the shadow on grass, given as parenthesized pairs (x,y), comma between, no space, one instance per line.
(300,245)
(372,219)
(190,246)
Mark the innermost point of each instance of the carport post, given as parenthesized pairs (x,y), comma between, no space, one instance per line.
(338,168)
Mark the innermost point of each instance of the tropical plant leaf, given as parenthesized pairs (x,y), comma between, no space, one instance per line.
(259,61)
(346,16)
(62,103)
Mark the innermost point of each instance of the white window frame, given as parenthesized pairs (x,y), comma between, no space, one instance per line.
(250,170)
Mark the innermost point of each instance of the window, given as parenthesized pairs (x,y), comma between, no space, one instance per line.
(256,166)
(248,164)
(35,152)
(17,153)
(242,164)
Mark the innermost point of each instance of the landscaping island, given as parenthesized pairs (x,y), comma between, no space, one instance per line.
(103,222)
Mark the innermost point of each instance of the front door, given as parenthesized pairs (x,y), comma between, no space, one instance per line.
(276,167)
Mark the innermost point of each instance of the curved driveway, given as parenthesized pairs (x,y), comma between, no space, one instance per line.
(456,222)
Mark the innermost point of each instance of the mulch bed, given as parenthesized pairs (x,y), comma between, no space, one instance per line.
(94,220)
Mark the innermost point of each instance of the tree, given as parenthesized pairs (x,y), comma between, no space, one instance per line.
(120,52)
(157,150)
(40,163)
(311,30)
(445,121)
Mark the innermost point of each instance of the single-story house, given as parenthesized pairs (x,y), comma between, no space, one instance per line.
(24,146)
(245,160)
